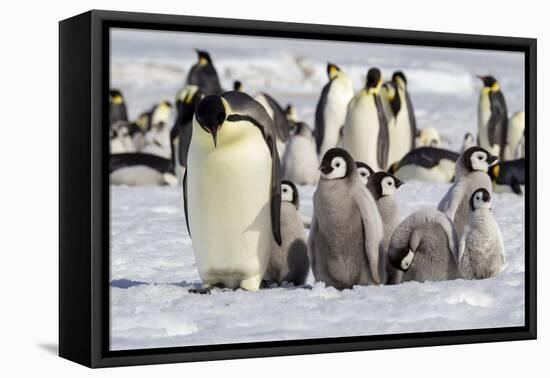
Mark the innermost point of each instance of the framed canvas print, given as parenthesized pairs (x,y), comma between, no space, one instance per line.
(234,188)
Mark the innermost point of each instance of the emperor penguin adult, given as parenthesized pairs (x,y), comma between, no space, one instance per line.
(402,132)
(481,250)
(232,191)
(516,129)
(364,171)
(203,74)
(492,117)
(330,113)
(299,163)
(424,247)
(391,102)
(117,107)
(346,234)
(382,186)
(366,129)
(428,164)
(471,174)
(289,261)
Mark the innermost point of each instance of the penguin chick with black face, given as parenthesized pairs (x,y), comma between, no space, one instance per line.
(117,107)
(382,186)
(428,164)
(471,173)
(289,261)
(424,247)
(203,74)
(345,239)
(492,117)
(364,171)
(481,251)
(508,176)
(366,128)
(300,159)
(330,113)
(232,191)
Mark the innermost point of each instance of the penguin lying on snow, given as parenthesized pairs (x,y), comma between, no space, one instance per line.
(470,175)
(508,175)
(300,159)
(364,171)
(382,186)
(345,240)
(289,261)
(426,164)
(424,247)
(330,113)
(135,169)
(232,191)
(481,251)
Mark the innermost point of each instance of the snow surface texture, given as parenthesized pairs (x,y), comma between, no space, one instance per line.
(152,261)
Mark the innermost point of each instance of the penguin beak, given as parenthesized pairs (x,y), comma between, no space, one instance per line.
(325,168)
(398,183)
(491,159)
(214,132)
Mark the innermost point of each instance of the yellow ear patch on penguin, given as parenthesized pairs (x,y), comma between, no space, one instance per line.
(116,99)
(203,61)
(332,71)
(496,170)
(495,87)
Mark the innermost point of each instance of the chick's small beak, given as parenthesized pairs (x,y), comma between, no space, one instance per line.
(491,159)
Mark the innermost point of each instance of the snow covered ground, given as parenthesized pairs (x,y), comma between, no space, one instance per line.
(152,262)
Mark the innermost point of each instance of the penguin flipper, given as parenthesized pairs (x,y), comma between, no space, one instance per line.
(275,190)
(185,201)
(412,119)
(320,117)
(498,122)
(383,137)
(371,227)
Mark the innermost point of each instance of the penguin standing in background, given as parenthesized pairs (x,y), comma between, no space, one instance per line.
(399,79)
(203,74)
(516,129)
(425,247)
(289,261)
(508,175)
(280,121)
(468,142)
(364,171)
(157,139)
(481,250)
(492,117)
(117,107)
(366,129)
(520,148)
(232,191)
(471,174)
(330,113)
(138,169)
(299,163)
(382,186)
(428,164)
(346,234)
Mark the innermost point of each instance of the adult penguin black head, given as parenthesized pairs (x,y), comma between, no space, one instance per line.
(187,100)
(204,75)
(115,96)
(289,193)
(399,77)
(480,199)
(337,163)
(238,86)
(374,80)
(489,82)
(332,70)
(210,114)
(474,159)
(383,184)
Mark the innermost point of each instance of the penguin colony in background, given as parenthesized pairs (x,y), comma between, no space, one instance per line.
(239,158)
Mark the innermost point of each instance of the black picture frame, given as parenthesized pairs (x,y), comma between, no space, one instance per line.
(84,191)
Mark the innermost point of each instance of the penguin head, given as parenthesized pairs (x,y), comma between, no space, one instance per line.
(289,193)
(399,79)
(210,114)
(116,97)
(383,184)
(468,139)
(337,163)
(238,86)
(477,159)
(291,113)
(389,92)
(489,83)
(332,70)
(302,129)
(480,199)
(374,81)
(143,120)
(203,57)
(364,171)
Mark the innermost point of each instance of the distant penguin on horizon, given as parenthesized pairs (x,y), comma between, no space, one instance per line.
(366,128)
(492,117)
(330,113)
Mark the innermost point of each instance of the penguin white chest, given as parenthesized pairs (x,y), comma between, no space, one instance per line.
(484,114)
(399,133)
(228,193)
(334,114)
(362,129)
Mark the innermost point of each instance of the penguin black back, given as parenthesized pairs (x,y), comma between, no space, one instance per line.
(203,74)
